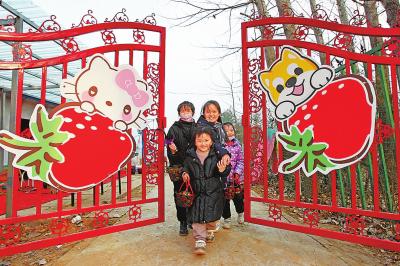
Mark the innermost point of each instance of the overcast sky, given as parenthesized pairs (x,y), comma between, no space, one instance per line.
(190,74)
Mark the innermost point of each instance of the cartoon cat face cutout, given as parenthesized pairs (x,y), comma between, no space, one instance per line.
(292,80)
(119,93)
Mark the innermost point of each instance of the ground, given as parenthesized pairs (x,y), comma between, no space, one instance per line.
(247,244)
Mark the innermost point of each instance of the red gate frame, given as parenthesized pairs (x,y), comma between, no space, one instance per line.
(153,164)
(249,100)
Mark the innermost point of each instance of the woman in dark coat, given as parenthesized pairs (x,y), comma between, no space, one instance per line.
(180,136)
(206,175)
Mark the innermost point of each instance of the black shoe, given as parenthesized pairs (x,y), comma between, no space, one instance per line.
(183,231)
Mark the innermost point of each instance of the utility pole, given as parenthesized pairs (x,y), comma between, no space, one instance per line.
(13,123)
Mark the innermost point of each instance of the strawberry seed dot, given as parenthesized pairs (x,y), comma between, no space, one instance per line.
(67,120)
(341,86)
(71,135)
(110,128)
(315,107)
(80,126)
(122,138)
(93,128)
(88,118)
(304,107)
(297,123)
(307,116)
(323,92)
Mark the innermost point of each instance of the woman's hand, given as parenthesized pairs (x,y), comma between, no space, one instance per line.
(185,177)
(226,159)
(221,166)
(173,148)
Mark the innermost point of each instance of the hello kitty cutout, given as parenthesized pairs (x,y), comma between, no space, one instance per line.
(118,93)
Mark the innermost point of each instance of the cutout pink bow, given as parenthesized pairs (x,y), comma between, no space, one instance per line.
(126,80)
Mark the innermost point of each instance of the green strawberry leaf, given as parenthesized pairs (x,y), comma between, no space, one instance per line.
(308,154)
(37,156)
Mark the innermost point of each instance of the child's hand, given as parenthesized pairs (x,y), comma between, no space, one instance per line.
(221,166)
(226,159)
(173,148)
(185,177)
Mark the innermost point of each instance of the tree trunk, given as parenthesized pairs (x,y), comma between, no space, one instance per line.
(392,8)
(318,33)
(283,7)
(268,51)
(372,17)
(388,148)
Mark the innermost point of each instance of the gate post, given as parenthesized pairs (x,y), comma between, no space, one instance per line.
(15,95)
(2,103)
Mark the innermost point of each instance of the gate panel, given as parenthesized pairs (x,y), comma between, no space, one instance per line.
(353,203)
(33,214)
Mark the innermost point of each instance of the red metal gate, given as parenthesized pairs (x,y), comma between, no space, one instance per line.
(40,216)
(347,204)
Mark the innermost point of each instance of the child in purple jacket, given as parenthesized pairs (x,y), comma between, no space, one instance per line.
(236,176)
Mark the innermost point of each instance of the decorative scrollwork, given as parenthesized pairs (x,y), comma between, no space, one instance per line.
(50,25)
(342,41)
(108,37)
(391,47)
(275,212)
(257,154)
(382,131)
(150,19)
(135,213)
(9,26)
(138,36)
(21,52)
(354,224)
(321,14)
(101,219)
(87,19)
(255,92)
(153,81)
(268,32)
(255,15)
(119,17)
(10,234)
(358,19)
(152,178)
(59,226)
(311,218)
(70,45)
(301,33)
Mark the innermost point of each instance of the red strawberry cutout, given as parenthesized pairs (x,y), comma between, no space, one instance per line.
(334,129)
(72,150)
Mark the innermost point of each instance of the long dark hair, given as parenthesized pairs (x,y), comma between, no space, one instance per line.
(230,124)
(216,104)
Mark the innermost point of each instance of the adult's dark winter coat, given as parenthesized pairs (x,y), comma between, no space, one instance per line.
(182,134)
(207,183)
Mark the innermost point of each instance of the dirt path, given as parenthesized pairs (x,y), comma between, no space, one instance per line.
(250,244)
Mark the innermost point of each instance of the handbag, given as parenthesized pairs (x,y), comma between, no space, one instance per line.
(185,196)
(174,172)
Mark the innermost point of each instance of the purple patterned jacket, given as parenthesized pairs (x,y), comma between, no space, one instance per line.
(235,149)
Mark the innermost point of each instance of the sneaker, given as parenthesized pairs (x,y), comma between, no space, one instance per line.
(183,231)
(210,237)
(240,218)
(217,226)
(227,223)
(200,247)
